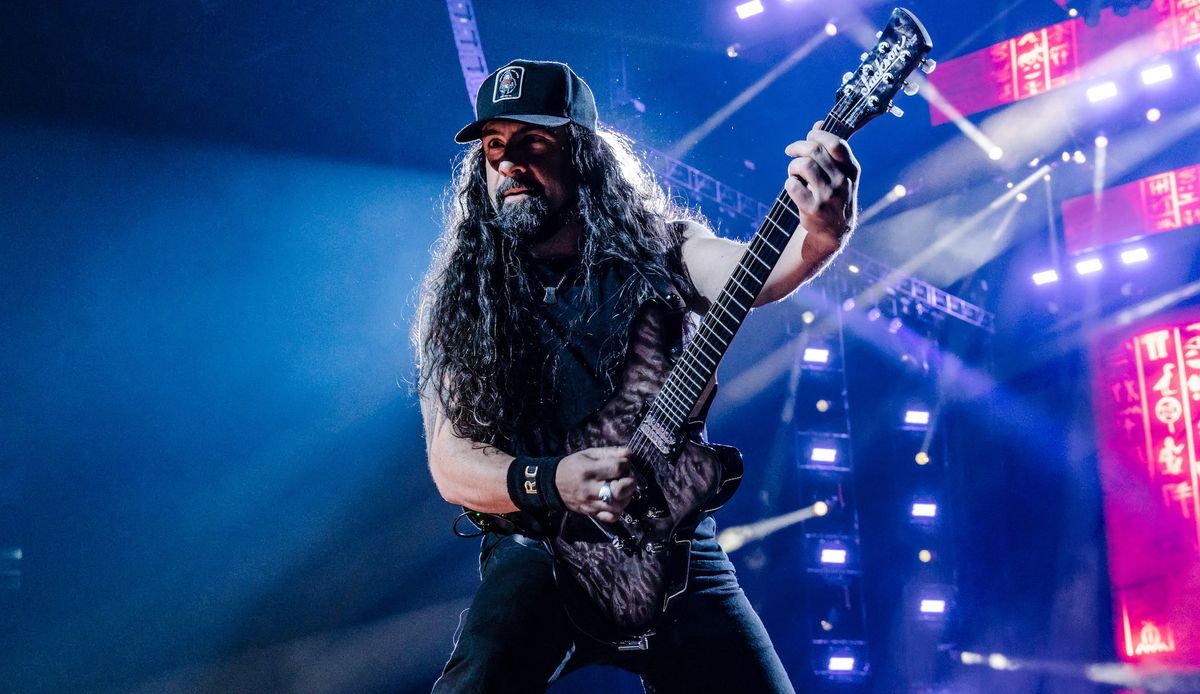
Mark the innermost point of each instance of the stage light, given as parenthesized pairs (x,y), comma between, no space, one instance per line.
(831,555)
(1009,185)
(732,50)
(925,556)
(1022,197)
(848,304)
(816,355)
(808,317)
(1135,255)
(924,509)
(823,455)
(874,314)
(1153,115)
(853,268)
(1089,266)
(916,417)
(820,508)
(1072,12)
(1034,162)
(995,154)
(922,458)
(749,9)
(899,191)
(841,664)
(830,29)
(1101,92)
(1101,141)
(894,325)
(1066,157)
(822,406)
(1046,178)
(1045,277)
(1079,157)
(932,606)
(1158,73)
(1198,59)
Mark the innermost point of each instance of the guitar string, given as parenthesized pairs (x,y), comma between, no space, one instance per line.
(672,403)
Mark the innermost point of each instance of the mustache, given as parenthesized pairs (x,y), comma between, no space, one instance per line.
(531,188)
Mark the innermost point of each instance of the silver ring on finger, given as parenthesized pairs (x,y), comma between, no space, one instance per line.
(605,495)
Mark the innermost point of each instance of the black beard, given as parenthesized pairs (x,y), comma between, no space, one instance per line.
(528,221)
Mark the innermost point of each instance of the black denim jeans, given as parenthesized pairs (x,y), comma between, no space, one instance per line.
(516,637)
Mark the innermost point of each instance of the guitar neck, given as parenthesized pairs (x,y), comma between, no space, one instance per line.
(685,385)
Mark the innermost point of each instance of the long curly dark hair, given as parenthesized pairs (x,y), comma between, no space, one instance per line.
(475,334)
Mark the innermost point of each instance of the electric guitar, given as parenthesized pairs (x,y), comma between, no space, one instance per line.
(617,579)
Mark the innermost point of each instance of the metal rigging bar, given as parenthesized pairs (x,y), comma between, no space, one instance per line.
(470,47)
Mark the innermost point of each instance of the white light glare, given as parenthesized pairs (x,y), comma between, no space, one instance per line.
(816,355)
(841,664)
(1072,12)
(1045,277)
(1158,73)
(1087,267)
(830,555)
(1153,115)
(995,154)
(1102,91)
(823,455)
(924,510)
(930,606)
(830,29)
(1135,255)
(916,417)
(1079,157)
(1101,141)
(1022,197)
(749,9)
(899,191)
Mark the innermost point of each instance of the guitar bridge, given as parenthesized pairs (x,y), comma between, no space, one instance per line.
(658,435)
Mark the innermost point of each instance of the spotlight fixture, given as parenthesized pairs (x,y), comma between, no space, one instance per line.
(841,664)
(831,29)
(1045,277)
(823,455)
(1022,197)
(924,509)
(1102,92)
(1089,266)
(1066,157)
(733,50)
(1079,157)
(916,417)
(1153,115)
(925,556)
(833,555)
(1135,255)
(848,304)
(933,606)
(822,406)
(749,9)
(922,458)
(1157,73)
(816,355)
(899,191)
(1072,12)
(808,317)
(1101,141)
(995,154)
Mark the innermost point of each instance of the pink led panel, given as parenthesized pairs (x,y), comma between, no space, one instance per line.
(1060,54)
(1158,203)
(1147,397)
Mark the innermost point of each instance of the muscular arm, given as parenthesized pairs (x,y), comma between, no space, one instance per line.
(466,472)
(823,183)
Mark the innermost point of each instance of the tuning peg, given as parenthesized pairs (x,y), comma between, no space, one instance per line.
(847,77)
(928,65)
(911,88)
(895,110)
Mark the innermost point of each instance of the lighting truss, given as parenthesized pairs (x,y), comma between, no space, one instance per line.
(469,45)
(735,202)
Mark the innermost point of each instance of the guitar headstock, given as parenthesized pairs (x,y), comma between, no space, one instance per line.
(868,91)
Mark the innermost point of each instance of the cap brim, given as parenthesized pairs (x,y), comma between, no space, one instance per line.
(474,130)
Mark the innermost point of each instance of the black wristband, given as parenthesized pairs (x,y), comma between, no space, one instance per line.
(531,484)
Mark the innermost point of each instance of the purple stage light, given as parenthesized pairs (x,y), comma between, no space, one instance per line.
(1045,277)
(1158,73)
(933,606)
(916,417)
(1102,92)
(1089,266)
(1135,255)
(842,663)
(816,355)
(749,9)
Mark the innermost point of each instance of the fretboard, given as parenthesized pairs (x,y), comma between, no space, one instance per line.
(697,365)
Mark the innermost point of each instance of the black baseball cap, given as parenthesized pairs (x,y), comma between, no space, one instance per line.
(540,92)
